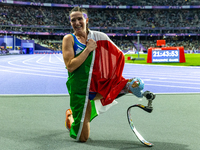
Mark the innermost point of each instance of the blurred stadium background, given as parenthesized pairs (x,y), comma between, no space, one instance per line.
(38,26)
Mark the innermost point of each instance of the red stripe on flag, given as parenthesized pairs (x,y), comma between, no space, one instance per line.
(107,78)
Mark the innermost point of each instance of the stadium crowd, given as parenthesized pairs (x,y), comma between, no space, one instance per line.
(38,19)
(12,15)
(121,2)
(125,43)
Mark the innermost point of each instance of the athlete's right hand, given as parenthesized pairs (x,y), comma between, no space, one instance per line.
(91,45)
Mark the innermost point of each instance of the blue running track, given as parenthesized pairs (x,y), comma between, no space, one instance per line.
(46,74)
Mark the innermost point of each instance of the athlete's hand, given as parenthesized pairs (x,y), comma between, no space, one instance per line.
(91,45)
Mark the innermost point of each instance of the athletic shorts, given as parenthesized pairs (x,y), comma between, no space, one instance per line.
(92,95)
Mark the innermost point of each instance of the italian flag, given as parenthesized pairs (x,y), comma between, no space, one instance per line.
(102,73)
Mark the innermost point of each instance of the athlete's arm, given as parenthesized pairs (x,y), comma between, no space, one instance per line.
(71,62)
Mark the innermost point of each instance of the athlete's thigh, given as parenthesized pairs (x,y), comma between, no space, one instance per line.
(98,96)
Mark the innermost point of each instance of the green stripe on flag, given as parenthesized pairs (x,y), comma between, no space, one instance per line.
(78,87)
(93,111)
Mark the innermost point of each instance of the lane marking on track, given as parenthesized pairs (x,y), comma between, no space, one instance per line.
(32,63)
(32,68)
(156,76)
(63,71)
(40,59)
(197,67)
(147,79)
(39,67)
(162,78)
(192,75)
(183,87)
(35,74)
(59,58)
(50,58)
(50,63)
(174,82)
(173,73)
(55,62)
(66,94)
(35,95)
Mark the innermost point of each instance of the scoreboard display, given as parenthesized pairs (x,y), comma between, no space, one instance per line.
(165,56)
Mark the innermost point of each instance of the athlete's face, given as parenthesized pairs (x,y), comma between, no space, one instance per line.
(78,21)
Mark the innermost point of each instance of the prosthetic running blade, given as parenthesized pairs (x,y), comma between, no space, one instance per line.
(138,135)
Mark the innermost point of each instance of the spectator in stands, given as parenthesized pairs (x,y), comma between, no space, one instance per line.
(45,16)
(120,2)
(54,16)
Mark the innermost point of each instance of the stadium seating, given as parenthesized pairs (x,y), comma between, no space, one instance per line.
(51,23)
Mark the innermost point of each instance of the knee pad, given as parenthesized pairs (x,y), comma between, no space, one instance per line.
(138,90)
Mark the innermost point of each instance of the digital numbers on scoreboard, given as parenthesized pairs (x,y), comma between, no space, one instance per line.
(165,55)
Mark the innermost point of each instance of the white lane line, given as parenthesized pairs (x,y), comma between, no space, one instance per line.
(45,62)
(27,59)
(173,73)
(40,59)
(50,63)
(156,76)
(36,68)
(12,62)
(172,78)
(59,58)
(34,74)
(31,64)
(66,95)
(39,67)
(183,87)
(33,95)
(9,61)
(185,82)
(172,93)
(147,80)
(50,58)
(196,67)
(66,78)
(149,69)
(64,71)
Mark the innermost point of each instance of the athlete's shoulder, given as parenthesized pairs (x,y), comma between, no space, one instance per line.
(68,37)
(68,40)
